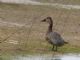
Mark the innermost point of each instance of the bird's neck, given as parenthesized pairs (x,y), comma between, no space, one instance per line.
(50,27)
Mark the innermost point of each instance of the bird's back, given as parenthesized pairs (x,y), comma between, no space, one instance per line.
(55,38)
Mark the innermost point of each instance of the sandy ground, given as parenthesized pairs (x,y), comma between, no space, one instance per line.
(31,37)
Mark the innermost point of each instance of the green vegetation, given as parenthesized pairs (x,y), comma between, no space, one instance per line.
(5,57)
(31,39)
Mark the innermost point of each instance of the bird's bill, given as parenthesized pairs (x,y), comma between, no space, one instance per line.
(43,20)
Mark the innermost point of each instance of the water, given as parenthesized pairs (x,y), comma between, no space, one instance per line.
(45,57)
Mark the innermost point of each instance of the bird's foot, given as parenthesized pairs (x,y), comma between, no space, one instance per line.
(54,50)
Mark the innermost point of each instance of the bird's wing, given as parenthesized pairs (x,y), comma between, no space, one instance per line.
(56,38)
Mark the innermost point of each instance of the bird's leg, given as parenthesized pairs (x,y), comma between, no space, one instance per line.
(56,48)
(53,48)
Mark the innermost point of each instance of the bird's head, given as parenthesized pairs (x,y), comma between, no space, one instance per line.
(48,19)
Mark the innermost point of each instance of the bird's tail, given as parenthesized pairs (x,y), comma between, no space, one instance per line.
(65,42)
